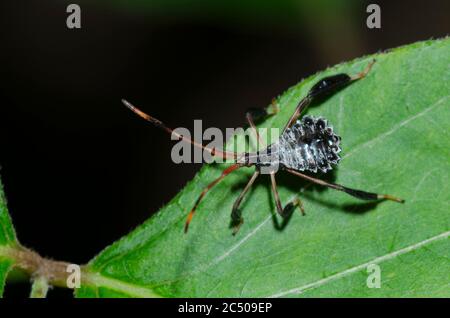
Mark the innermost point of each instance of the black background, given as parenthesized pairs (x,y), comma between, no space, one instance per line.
(79,169)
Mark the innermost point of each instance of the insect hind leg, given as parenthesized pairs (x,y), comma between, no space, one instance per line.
(324,87)
(363,195)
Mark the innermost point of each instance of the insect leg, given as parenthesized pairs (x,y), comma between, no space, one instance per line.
(212,184)
(255,114)
(161,125)
(364,72)
(287,210)
(236,218)
(260,113)
(353,192)
(249,116)
(324,87)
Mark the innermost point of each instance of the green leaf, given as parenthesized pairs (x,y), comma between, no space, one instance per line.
(7,239)
(395,131)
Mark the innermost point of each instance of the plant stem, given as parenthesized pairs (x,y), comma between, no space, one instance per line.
(37,267)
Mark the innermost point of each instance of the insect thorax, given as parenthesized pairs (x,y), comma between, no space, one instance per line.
(310,144)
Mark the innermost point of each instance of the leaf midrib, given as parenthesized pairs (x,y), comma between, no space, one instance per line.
(99,280)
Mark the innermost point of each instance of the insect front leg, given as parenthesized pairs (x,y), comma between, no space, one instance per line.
(236,215)
(324,87)
(289,208)
(256,114)
(225,173)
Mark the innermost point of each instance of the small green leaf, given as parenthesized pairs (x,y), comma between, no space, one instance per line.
(39,288)
(7,239)
(5,266)
(395,131)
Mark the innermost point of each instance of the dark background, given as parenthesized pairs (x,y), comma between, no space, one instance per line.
(79,169)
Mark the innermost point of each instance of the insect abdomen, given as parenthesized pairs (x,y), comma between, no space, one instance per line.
(310,144)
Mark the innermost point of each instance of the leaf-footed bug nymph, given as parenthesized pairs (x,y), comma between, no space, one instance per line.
(309,144)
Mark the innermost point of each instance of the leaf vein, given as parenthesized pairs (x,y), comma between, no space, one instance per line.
(395,128)
(380,259)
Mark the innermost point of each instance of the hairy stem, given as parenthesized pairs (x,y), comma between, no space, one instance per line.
(40,269)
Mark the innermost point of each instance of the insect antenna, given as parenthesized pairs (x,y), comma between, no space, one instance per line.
(161,125)
(212,151)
